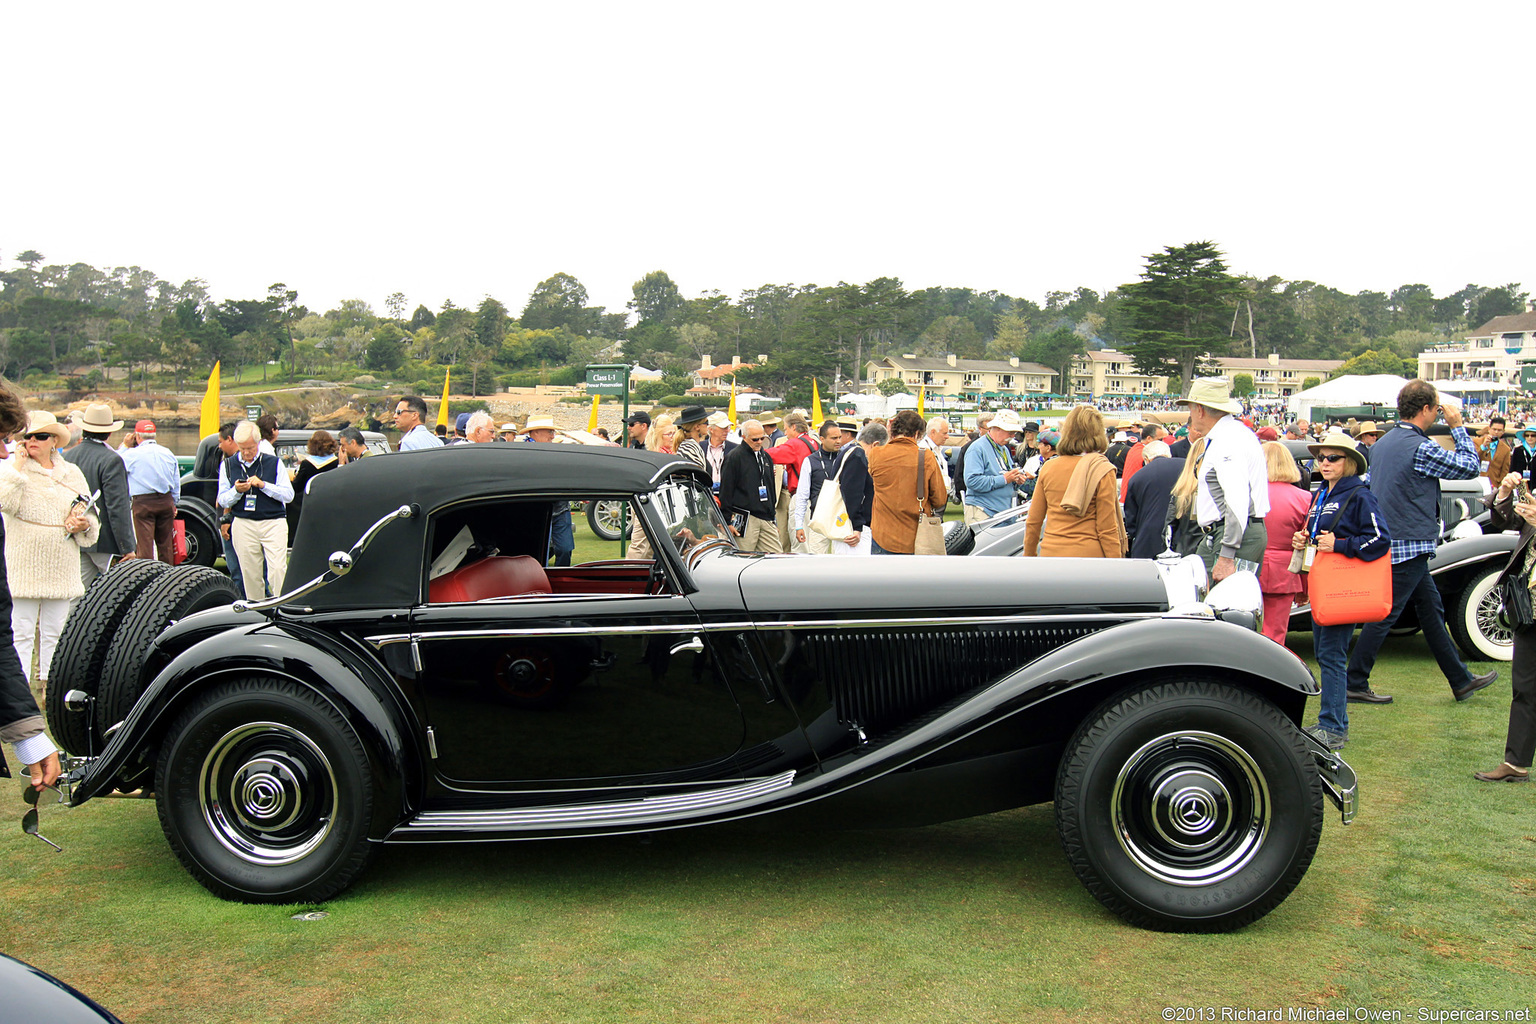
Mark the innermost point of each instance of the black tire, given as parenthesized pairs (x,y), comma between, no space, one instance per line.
(170,597)
(603,517)
(82,651)
(959,538)
(1189,806)
(1475,621)
(204,544)
(265,793)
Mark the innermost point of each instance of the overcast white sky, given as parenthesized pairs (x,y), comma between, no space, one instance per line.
(453,150)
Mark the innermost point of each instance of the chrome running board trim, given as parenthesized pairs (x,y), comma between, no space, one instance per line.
(625,812)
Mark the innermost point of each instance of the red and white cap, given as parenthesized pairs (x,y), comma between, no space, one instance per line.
(144,427)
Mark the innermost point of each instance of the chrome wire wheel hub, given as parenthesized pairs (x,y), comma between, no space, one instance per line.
(1490,620)
(268,793)
(1190,808)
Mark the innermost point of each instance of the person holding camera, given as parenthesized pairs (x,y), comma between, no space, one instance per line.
(1407,466)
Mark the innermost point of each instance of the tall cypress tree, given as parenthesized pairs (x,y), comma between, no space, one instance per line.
(1179,311)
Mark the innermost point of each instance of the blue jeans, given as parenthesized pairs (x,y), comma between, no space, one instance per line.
(1410,582)
(1331,644)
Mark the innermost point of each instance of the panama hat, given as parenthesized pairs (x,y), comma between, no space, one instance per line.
(538,423)
(98,419)
(1213,393)
(1344,443)
(1006,419)
(40,422)
(1368,427)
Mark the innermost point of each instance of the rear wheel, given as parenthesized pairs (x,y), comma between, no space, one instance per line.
(265,793)
(83,646)
(1189,807)
(1475,621)
(171,596)
(959,538)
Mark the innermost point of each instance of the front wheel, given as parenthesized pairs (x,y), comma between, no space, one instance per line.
(607,519)
(265,793)
(1475,621)
(1189,807)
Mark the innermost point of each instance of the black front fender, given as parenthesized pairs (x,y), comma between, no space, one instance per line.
(353,683)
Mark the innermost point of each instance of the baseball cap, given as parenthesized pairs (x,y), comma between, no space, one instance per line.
(144,427)
(638,417)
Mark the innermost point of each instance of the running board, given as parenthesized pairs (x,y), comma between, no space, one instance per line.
(648,810)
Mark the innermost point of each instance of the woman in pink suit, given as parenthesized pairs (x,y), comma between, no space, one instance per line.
(1288,506)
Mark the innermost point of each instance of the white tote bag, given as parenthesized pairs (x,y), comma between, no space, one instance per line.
(830,516)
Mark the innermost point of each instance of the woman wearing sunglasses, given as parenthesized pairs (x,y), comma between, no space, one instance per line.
(46,525)
(20,722)
(1344,518)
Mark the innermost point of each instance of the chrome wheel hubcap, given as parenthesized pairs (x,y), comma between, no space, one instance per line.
(268,793)
(1191,808)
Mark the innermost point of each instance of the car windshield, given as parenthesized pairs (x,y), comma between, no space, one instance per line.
(690,513)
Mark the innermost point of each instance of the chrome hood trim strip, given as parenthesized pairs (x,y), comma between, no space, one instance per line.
(625,812)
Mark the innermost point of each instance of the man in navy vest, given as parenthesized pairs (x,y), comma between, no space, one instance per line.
(255,488)
(1406,470)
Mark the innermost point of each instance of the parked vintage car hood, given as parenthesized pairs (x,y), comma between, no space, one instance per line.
(796,584)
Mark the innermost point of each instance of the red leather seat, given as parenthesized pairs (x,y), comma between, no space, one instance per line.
(497,576)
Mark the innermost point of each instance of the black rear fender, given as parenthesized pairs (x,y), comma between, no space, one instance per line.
(345,676)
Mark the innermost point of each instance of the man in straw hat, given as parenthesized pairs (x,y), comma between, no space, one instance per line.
(990,474)
(562,538)
(1366,435)
(106,475)
(720,445)
(1232,498)
(1406,469)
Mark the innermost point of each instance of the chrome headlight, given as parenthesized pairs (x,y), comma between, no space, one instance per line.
(1183,578)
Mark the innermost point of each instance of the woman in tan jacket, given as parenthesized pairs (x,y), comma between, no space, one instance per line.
(893,469)
(1075,511)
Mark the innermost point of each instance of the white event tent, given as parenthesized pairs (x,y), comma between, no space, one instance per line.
(1353,389)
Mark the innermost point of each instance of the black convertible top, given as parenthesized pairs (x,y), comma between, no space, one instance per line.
(342,504)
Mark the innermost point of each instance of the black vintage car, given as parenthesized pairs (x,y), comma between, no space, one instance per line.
(427,679)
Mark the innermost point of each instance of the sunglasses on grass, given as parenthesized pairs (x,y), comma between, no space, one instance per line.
(29,820)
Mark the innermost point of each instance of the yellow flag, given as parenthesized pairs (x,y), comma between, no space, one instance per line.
(815,406)
(592,419)
(208,421)
(731,412)
(442,410)
(921,391)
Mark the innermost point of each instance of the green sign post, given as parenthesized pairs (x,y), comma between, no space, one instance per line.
(613,379)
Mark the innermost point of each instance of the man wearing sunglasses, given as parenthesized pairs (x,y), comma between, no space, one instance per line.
(410,420)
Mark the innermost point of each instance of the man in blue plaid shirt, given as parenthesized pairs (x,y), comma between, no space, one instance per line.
(1406,470)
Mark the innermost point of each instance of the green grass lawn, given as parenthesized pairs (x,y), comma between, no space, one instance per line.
(1424,902)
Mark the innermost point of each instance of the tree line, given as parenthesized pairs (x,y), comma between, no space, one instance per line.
(72,322)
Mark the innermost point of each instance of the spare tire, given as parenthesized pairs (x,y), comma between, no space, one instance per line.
(82,651)
(959,538)
(173,595)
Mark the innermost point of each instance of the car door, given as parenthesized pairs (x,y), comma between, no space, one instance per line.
(557,690)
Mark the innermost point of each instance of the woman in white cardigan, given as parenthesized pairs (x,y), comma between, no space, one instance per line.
(45,528)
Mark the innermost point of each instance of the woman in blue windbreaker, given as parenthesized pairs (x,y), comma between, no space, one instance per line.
(1344,518)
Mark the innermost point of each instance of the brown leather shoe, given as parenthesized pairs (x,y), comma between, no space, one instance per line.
(1503,773)
(1477,683)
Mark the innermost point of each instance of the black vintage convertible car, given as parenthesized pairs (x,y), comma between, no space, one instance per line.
(428,679)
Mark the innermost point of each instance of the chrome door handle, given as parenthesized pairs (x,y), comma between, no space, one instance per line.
(695,645)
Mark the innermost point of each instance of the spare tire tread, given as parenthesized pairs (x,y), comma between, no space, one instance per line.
(83,646)
(174,595)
